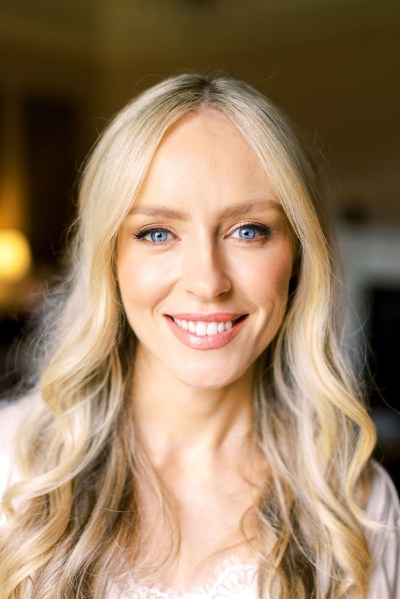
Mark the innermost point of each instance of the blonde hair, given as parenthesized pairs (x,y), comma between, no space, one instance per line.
(77,501)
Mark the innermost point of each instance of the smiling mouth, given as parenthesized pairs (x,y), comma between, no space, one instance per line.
(202,328)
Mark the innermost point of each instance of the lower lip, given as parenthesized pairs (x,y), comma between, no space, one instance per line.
(211,342)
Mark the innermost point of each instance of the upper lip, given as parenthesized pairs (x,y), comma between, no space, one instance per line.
(215,317)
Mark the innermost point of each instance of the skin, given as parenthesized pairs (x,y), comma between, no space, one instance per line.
(193,407)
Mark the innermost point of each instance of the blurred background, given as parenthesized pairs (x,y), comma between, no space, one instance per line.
(332,65)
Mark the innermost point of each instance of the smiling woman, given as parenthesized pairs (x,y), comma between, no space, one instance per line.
(200,249)
(195,430)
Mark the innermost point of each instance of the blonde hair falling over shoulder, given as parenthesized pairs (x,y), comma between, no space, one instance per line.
(73,519)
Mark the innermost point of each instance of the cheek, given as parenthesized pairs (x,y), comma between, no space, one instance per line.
(280,274)
(266,277)
(141,281)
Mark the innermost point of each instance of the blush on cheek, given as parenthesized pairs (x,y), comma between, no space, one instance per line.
(280,272)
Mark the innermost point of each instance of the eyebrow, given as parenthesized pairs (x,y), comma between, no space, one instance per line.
(244,208)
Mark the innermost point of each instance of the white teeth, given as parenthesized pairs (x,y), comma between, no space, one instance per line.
(212,329)
(203,329)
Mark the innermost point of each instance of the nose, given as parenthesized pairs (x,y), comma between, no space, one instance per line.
(204,272)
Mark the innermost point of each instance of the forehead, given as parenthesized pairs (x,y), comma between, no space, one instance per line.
(204,160)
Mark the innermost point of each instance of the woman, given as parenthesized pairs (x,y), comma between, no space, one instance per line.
(195,427)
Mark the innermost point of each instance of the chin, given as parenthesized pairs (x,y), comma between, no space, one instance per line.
(209,378)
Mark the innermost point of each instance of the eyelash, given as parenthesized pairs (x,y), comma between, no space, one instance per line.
(140,235)
(264,233)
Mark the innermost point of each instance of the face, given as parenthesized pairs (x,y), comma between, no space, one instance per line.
(204,257)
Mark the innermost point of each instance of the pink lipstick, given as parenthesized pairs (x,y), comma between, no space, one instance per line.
(193,330)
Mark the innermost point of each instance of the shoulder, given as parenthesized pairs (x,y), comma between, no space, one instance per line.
(12,414)
(383,502)
(383,508)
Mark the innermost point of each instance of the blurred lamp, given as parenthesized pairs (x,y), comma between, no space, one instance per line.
(15,255)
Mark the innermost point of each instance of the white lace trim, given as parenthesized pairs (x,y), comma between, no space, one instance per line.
(233,580)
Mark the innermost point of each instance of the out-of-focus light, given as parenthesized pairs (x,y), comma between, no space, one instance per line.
(15,255)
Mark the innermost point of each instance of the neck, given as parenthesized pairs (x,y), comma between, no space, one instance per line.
(174,418)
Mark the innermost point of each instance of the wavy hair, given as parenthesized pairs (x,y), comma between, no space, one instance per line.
(75,515)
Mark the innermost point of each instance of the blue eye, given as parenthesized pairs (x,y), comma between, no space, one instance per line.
(249,232)
(156,236)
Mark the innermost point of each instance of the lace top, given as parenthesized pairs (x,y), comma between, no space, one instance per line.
(233,580)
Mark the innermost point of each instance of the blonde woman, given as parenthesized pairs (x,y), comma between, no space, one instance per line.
(195,430)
